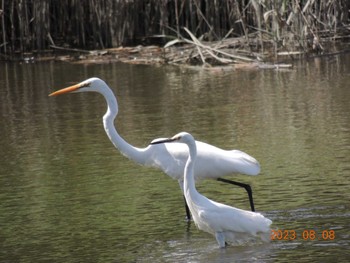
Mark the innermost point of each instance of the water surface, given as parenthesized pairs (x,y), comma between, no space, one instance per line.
(67,195)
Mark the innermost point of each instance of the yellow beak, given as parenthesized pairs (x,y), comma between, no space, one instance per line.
(66,90)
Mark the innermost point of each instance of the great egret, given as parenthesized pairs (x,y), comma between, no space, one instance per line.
(228,224)
(212,162)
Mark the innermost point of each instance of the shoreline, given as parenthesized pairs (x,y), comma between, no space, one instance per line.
(197,54)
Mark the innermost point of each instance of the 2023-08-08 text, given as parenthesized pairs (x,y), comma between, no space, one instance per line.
(307,234)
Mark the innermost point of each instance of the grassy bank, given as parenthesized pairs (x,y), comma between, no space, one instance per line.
(280,25)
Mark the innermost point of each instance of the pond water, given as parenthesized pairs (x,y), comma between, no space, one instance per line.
(67,195)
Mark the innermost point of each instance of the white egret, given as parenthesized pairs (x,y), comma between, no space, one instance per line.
(212,162)
(228,224)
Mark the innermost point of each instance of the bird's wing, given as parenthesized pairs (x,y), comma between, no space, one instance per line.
(227,218)
(211,161)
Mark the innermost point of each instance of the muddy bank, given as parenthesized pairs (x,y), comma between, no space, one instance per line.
(227,54)
(190,32)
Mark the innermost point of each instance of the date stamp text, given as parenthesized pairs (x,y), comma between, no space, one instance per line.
(307,235)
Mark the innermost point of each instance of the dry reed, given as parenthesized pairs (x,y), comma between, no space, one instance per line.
(28,25)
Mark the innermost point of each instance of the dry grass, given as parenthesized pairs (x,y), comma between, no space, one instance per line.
(294,25)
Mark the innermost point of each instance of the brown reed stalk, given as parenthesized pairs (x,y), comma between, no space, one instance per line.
(28,25)
(4,44)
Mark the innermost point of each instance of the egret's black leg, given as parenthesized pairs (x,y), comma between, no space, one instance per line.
(188,213)
(245,186)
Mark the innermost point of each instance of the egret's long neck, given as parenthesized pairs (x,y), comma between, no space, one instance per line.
(190,190)
(136,154)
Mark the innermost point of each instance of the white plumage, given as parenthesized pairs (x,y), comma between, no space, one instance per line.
(212,162)
(228,224)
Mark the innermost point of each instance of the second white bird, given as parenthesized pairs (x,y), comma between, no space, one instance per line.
(228,224)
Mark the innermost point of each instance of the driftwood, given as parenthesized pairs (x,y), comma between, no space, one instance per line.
(218,54)
(69,49)
(223,55)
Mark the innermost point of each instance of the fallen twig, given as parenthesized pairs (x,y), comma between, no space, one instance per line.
(71,49)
